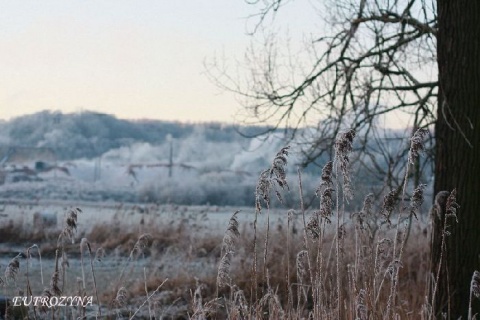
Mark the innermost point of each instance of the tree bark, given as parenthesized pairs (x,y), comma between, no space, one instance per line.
(457,159)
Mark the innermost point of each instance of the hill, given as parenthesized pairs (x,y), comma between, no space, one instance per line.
(90,134)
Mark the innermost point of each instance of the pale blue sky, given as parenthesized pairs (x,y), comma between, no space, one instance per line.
(135,59)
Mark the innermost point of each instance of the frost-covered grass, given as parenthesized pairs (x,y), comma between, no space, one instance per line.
(184,248)
(332,260)
(184,244)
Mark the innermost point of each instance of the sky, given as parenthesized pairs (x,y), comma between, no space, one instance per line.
(134,59)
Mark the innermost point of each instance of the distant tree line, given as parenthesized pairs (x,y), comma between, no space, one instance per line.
(90,134)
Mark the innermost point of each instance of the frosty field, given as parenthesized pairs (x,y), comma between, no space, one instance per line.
(184,247)
(182,254)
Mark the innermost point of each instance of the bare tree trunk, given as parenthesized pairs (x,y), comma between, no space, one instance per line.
(457,165)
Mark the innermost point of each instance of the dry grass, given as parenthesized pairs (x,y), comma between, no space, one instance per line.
(324,263)
(189,260)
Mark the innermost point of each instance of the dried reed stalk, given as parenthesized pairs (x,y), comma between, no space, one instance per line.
(343,148)
(12,269)
(138,249)
(147,300)
(228,249)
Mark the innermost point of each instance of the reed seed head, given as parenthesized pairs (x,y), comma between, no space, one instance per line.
(302,266)
(389,202)
(313,227)
(262,190)
(416,144)
(278,168)
(228,247)
(231,234)
(223,275)
(275,175)
(344,142)
(452,205)
(12,268)
(326,204)
(343,148)
(70,225)
(417,199)
(327,181)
